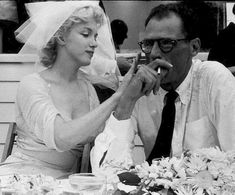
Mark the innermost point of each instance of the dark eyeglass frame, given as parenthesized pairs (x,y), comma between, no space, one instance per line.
(160,42)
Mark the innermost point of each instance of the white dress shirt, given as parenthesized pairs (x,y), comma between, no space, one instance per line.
(205,112)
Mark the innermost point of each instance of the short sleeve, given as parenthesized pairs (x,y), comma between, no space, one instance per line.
(36,109)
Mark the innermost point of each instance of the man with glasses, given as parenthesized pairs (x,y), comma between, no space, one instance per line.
(204,102)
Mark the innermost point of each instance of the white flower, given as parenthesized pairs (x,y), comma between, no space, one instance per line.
(207,171)
(177,163)
(181,173)
(229,188)
(164,182)
(231,156)
(31,184)
(164,162)
(168,174)
(204,179)
(184,190)
(153,175)
(198,191)
(215,168)
(213,153)
(195,164)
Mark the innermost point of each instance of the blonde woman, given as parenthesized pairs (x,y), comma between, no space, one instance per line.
(57,109)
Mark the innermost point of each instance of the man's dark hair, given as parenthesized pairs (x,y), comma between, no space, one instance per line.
(182,10)
(119,32)
(119,26)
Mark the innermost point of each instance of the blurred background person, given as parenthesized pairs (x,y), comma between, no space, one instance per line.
(8,24)
(12,15)
(224,46)
(119,32)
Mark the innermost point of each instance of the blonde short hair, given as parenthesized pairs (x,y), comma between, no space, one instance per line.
(48,54)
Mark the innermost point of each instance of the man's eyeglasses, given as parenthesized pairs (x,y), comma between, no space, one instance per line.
(165,45)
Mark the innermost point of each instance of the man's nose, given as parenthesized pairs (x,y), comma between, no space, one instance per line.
(156,51)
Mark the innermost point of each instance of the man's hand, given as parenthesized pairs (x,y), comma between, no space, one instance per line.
(134,86)
(142,83)
(147,79)
(162,67)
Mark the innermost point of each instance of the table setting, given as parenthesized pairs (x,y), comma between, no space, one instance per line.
(207,171)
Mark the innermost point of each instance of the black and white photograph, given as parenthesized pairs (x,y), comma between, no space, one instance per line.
(116,97)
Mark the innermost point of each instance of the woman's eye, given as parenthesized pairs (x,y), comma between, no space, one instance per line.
(85,34)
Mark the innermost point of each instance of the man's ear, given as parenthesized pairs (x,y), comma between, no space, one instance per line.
(195,46)
(61,40)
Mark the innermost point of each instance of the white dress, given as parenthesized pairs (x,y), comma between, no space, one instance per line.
(35,115)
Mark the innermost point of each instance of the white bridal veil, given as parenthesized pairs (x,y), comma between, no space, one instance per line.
(45,20)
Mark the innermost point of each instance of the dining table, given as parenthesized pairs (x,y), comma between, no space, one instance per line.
(15,184)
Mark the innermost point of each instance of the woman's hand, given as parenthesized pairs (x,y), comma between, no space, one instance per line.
(123,64)
(128,77)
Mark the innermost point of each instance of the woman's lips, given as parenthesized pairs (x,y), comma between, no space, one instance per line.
(91,53)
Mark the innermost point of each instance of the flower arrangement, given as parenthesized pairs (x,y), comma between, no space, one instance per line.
(19,184)
(208,171)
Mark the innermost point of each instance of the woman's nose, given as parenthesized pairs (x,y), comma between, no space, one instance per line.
(94,43)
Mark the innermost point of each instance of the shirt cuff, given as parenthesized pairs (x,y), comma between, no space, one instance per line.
(117,128)
(114,130)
